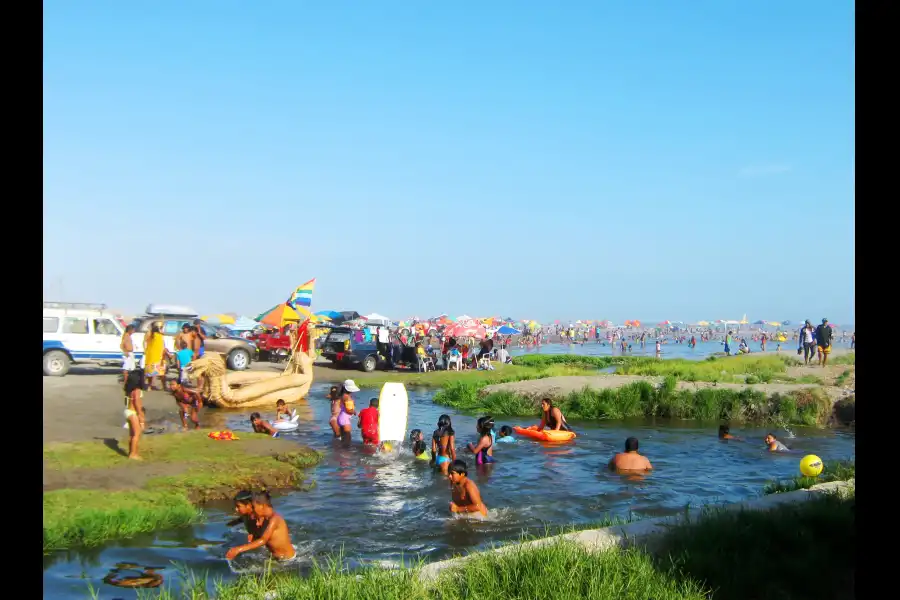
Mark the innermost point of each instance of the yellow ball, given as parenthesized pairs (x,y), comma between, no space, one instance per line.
(811,465)
(387,447)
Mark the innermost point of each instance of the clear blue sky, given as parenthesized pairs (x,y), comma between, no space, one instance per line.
(596,159)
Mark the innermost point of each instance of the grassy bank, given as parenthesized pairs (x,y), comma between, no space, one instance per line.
(834,471)
(641,399)
(723,556)
(94,494)
(500,374)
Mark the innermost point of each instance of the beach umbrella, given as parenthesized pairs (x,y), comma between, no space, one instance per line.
(702,323)
(220,319)
(664,324)
(785,322)
(279,315)
(760,322)
(507,330)
(774,323)
(331,314)
(466,328)
(243,324)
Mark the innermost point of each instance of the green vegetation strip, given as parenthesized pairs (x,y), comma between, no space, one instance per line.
(809,407)
(187,468)
(833,471)
(801,551)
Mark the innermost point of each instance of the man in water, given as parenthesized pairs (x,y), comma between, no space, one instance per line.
(824,335)
(276,537)
(630,460)
(464,494)
(260,425)
(552,418)
(243,506)
(725,433)
(368,422)
(773,445)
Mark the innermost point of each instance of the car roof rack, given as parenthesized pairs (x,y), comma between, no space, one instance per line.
(75,305)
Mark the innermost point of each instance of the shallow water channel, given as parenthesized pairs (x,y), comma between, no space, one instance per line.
(393,509)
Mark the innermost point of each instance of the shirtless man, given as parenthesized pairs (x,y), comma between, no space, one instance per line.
(630,460)
(276,537)
(260,425)
(464,494)
(127,347)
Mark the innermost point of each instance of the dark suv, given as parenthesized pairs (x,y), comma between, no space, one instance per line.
(238,352)
(343,348)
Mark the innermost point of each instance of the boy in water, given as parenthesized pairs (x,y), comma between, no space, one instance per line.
(368,422)
(262,426)
(275,537)
(243,506)
(465,497)
(725,433)
(134,410)
(506,435)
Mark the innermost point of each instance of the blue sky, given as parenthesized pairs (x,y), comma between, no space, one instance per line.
(651,160)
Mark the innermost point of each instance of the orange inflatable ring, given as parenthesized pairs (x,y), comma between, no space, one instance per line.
(544,436)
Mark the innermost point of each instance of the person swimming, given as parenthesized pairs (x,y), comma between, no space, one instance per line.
(483,451)
(552,418)
(630,460)
(506,435)
(419,447)
(464,494)
(443,444)
(725,433)
(243,506)
(773,445)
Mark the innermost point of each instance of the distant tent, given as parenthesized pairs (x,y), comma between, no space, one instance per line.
(243,323)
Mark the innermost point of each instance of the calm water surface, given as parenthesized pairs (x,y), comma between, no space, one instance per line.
(393,509)
(670,350)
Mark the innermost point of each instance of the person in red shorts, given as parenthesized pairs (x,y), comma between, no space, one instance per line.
(368,422)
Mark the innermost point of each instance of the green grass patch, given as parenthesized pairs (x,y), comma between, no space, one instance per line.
(842,470)
(178,471)
(841,379)
(848,358)
(808,407)
(91,517)
(797,551)
(728,369)
(500,374)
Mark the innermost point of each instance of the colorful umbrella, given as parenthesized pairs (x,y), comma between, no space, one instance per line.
(702,323)
(507,330)
(279,316)
(331,314)
(466,328)
(220,319)
(760,322)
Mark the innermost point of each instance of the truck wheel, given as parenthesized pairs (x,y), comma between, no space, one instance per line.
(369,364)
(238,360)
(56,363)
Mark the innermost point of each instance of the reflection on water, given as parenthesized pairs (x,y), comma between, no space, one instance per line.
(392,509)
(130,575)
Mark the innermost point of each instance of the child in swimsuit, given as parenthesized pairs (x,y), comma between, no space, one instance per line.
(465,497)
(506,435)
(262,426)
(335,399)
(419,448)
(243,506)
(134,410)
(188,402)
(483,451)
(283,412)
(443,444)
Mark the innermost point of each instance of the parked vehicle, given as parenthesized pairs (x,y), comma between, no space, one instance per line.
(275,346)
(343,347)
(238,352)
(79,333)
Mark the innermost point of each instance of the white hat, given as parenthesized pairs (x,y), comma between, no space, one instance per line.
(351,386)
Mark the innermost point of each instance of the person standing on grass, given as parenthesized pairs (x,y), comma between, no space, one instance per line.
(824,336)
(134,410)
(728,342)
(807,344)
(127,347)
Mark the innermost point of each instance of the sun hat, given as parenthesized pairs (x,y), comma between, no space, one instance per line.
(351,386)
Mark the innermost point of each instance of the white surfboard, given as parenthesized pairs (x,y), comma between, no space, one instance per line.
(393,409)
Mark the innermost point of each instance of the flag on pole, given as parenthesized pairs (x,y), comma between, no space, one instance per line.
(301,298)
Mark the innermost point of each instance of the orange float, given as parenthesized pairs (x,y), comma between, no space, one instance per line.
(547,435)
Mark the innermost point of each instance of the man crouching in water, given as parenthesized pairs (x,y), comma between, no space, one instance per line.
(276,537)
(465,497)
(630,460)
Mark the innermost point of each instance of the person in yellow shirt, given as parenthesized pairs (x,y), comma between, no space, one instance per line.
(154,350)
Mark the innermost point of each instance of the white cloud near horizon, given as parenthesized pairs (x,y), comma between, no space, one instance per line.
(764,170)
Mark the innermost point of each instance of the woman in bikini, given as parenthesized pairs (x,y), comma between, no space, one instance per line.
(552,418)
(443,444)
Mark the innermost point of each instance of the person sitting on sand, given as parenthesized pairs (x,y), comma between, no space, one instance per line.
(443,444)
(188,401)
(552,418)
(725,433)
(276,537)
(260,425)
(464,494)
(506,435)
(773,445)
(630,460)
(134,410)
(243,506)
(483,451)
